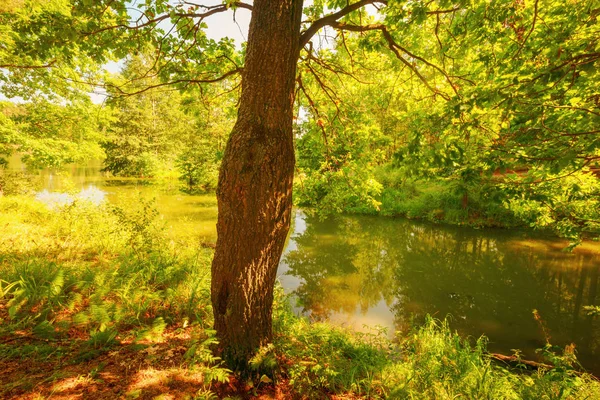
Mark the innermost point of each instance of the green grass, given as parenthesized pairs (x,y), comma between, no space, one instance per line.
(82,282)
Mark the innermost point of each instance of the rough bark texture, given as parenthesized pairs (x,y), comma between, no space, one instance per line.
(255,184)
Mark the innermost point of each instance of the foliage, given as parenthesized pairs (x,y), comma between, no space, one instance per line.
(162,133)
(47,134)
(345,134)
(200,352)
(443,200)
(198,168)
(16,182)
(505,136)
(35,59)
(60,46)
(566,204)
(593,310)
(146,129)
(494,102)
(96,267)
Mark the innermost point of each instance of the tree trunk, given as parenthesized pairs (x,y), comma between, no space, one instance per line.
(255,184)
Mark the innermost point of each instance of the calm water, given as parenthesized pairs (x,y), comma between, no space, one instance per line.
(358,271)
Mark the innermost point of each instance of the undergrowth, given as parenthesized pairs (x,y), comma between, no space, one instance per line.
(443,200)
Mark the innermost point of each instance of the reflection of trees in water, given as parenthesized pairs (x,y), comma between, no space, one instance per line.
(490,282)
(341,270)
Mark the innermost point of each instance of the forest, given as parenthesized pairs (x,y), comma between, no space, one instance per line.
(357,199)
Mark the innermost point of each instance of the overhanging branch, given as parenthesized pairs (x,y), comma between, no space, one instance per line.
(210,10)
(124,93)
(15,66)
(397,50)
(332,18)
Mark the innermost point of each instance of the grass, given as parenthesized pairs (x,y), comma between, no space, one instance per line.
(98,302)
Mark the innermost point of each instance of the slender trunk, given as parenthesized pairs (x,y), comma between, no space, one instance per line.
(255,184)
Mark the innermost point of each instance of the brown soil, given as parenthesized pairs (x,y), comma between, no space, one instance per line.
(144,370)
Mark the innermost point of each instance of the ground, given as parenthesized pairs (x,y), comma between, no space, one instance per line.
(141,370)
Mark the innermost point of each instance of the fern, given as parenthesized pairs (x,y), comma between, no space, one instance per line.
(264,360)
(154,332)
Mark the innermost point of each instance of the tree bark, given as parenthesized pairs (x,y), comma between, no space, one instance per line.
(255,184)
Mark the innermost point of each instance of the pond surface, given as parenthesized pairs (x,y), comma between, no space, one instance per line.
(359,270)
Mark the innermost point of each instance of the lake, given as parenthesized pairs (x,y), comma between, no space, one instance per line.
(360,271)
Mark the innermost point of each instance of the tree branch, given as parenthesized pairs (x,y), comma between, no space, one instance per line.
(318,114)
(535,15)
(211,10)
(122,92)
(15,66)
(332,18)
(337,70)
(438,12)
(396,49)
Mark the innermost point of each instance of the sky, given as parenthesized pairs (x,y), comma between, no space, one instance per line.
(223,25)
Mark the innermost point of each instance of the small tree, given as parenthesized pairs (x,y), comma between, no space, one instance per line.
(198,168)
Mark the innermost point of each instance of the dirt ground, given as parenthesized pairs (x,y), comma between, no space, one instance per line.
(150,370)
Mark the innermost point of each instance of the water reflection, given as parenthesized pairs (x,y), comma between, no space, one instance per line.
(54,200)
(357,270)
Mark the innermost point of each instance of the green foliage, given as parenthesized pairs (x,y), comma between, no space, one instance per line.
(140,223)
(145,130)
(325,359)
(200,353)
(496,108)
(499,123)
(334,192)
(160,133)
(77,269)
(97,268)
(443,200)
(566,204)
(489,89)
(47,134)
(593,310)
(198,168)
(18,183)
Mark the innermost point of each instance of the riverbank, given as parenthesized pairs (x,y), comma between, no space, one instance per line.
(96,301)
(568,207)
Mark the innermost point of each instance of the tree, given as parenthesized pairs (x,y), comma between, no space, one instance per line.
(523,97)
(202,148)
(255,183)
(148,128)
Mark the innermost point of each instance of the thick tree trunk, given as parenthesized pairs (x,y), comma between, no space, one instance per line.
(255,184)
